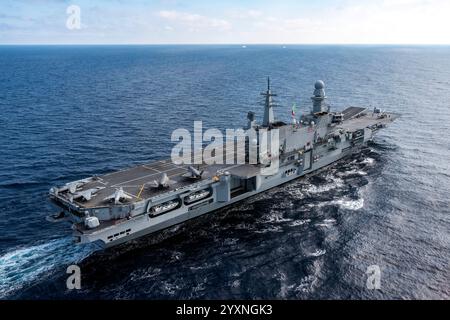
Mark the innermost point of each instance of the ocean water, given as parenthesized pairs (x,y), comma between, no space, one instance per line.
(72,111)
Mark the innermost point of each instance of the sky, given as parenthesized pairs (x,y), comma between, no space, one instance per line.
(225,22)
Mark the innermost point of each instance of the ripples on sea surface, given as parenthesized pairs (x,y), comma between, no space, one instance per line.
(70,112)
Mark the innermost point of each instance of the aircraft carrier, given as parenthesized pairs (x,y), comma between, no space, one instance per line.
(120,206)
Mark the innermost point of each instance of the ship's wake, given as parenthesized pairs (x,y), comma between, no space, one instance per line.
(23,266)
(285,237)
(307,216)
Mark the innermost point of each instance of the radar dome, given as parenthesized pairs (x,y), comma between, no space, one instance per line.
(319,85)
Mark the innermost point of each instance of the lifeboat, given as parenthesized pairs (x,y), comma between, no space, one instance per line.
(197,196)
(164,207)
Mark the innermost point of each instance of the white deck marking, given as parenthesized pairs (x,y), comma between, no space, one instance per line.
(101,181)
(144,166)
(131,195)
(232,167)
(119,171)
(168,164)
(142,177)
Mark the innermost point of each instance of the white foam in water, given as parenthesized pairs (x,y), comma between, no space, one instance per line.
(299,222)
(295,192)
(326,223)
(236,283)
(351,204)
(345,204)
(336,183)
(169,288)
(21,266)
(306,284)
(270,229)
(368,161)
(276,216)
(318,253)
(352,172)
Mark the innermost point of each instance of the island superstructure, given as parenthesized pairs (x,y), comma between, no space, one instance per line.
(120,206)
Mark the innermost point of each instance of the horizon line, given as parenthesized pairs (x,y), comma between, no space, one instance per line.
(224,44)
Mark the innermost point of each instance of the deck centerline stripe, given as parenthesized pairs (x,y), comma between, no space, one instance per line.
(146,176)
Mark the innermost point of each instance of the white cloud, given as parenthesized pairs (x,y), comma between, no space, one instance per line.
(383,21)
(240,14)
(343,21)
(254,13)
(392,3)
(194,21)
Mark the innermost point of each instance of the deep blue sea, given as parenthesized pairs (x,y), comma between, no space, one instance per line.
(68,112)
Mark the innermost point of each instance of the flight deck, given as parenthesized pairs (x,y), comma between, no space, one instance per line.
(136,181)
